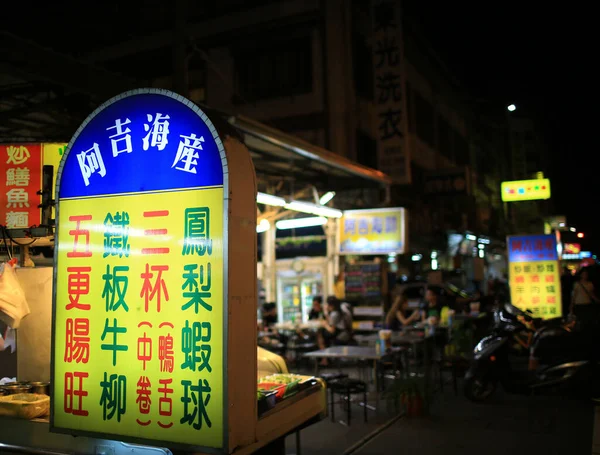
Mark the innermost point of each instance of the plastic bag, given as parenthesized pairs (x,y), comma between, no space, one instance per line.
(13,305)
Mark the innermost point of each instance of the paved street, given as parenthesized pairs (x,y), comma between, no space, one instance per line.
(508,425)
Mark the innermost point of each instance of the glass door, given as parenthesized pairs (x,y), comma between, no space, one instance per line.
(289,299)
(311,287)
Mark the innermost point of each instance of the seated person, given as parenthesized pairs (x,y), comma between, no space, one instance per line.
(400,315)
(269,316)
(316,312)
(432,309)
(338,326)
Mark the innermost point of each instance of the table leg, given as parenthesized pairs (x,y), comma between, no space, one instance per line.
(376,376)
(316,366)
(298,448)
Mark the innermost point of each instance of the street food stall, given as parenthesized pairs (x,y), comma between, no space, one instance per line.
(150,346)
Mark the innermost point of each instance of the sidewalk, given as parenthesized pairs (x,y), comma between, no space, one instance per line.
(509,424)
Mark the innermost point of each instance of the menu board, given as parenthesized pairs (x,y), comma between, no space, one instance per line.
(363,281)
(138,330)
(21,179)
(534,276)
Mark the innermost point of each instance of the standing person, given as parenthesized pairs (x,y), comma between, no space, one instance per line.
(581,300)
(566,289)
(339,287)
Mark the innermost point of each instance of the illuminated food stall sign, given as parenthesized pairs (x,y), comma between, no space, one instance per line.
(139,328)
(572,248)
(534,275)
(21,179)
(373,231)
(525,190)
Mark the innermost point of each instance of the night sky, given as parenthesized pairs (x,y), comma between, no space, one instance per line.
(540,58)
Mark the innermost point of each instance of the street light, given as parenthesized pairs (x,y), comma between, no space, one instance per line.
(580,235)
(511,107)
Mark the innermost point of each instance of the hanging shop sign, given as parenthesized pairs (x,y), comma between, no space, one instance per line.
(373,231)
(390,102)
(525,190)
(450,181)
(21,180)
(571,248)
(534,275)
(139,320)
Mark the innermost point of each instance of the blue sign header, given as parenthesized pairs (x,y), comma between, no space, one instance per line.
(143,140)
(532,248)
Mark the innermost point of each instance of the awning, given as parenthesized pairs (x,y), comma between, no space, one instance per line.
(280,155)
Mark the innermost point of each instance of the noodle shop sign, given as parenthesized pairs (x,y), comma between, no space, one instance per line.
(139,328)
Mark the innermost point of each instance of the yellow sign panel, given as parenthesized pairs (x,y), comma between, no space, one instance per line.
(535,286)
(139,316)
(525,190)
(373,231)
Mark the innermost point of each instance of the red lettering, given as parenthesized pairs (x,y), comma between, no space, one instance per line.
(520,279)
(77,346)
(535,279)
(78,284)
(549,278)
(144,347)
(143,398)
(551,299)
(165,402)
(71,393)
(78,232)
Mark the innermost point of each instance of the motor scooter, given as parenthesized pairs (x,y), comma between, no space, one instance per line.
(559,357)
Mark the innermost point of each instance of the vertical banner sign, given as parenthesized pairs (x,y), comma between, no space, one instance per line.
(138,328)
(390,102)
(20,180)
(534,275)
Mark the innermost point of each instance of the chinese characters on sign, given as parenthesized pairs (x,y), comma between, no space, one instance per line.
(373,231)
(139,287)
(534,275)
(390,104)
(20,180)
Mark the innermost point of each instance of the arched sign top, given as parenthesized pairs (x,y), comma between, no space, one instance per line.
(142,140)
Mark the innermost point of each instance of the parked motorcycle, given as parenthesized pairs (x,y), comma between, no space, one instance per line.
(559,356)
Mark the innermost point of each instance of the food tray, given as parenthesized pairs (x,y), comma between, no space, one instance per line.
(266,401)
(24,405)
(284,385)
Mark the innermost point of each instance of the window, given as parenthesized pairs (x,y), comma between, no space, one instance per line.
(461,149)
(424,119)
(366,150)
(279,70)
(362,63)
(444,139)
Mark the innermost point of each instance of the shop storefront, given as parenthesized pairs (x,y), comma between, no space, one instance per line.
(299,189)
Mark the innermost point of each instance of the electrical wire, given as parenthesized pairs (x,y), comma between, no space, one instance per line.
(14,241)
(2,228)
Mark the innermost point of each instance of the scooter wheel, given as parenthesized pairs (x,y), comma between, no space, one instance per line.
(478,389)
